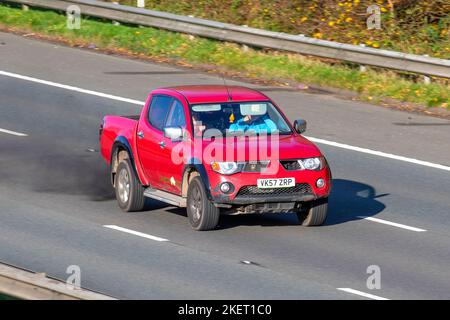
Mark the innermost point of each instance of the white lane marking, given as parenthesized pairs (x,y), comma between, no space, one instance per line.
(136,233)
(14,133)
(141,103)
(379,153)
(394,224)
(71,88)
(363,294)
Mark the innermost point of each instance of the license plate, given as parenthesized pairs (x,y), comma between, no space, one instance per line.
(275,183)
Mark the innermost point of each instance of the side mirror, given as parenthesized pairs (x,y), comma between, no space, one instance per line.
(300,125)
(173,133)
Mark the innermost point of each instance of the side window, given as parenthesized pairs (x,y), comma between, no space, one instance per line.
(159,109)
(176,116)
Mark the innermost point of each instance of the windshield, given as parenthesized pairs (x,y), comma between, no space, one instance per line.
(238,118)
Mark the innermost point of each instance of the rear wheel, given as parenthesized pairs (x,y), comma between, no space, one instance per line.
(129,190)
(313,213)
(202,213)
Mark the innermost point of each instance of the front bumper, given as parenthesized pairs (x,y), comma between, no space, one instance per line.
(245,191)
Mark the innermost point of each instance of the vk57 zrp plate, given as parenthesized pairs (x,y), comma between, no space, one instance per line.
(276,183)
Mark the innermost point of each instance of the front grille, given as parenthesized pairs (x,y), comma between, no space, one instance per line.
(254,191)
(260,166)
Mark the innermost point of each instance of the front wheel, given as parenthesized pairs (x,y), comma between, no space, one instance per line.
(129,190)
(202,213)
(314,213)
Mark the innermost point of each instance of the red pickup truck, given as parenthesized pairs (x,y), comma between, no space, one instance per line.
(215,150)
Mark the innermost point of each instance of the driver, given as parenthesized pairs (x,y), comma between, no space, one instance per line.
(257,123)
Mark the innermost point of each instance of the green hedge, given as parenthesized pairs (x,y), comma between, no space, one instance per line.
(415,26)
(158,44)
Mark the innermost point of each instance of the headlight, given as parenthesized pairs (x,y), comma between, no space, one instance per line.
(226,167)
(312,163)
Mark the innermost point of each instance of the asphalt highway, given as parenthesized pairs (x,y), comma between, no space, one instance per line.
(389,207)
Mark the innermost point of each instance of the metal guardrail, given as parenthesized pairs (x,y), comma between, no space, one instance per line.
(253,37)
(22,284)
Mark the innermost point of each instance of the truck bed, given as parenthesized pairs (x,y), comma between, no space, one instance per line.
(115,126)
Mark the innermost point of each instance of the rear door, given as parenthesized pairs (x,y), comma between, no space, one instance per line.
(150,136)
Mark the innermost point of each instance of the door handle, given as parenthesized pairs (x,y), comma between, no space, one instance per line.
(162,144)
(140,134)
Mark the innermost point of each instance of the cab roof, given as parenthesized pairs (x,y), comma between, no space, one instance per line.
(218,93)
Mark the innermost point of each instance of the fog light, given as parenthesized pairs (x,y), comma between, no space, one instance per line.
(225,187)
(320,183)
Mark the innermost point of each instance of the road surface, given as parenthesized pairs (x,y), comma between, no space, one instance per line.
(389,207)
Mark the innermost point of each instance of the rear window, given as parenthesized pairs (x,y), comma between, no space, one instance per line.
(159,108)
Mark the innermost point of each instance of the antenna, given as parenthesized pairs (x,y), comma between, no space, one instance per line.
(226,87)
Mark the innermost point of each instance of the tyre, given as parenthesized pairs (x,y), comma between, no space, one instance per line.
(314,214)
(129,190)
(202,213)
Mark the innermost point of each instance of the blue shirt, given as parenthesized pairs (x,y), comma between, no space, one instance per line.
(263,124)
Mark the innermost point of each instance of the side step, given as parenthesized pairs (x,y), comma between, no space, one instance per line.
(166,197)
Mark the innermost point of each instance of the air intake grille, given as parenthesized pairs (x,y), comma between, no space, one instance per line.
(291,165)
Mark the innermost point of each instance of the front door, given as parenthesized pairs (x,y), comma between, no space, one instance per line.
(149,137)
(171,168)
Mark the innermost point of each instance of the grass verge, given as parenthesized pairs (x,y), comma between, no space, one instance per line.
(374,86)
(418,27)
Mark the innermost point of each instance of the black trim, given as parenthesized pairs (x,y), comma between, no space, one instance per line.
(252,200)
(200,168)
(122,143)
